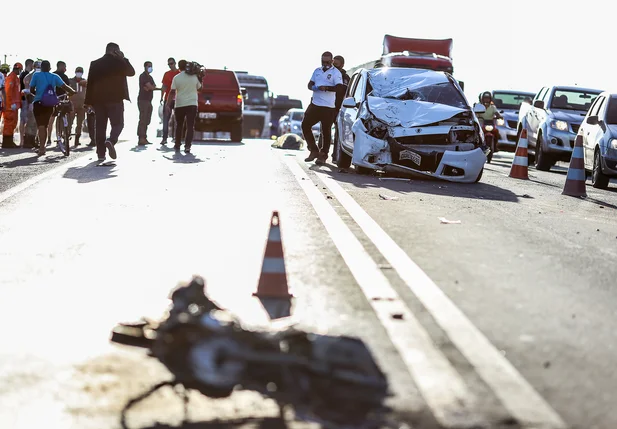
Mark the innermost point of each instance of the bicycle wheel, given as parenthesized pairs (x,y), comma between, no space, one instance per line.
(66,134)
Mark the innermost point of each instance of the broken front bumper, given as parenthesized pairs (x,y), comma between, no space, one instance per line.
(369,152)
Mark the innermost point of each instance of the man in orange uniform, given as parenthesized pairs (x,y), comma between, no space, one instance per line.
(11,108)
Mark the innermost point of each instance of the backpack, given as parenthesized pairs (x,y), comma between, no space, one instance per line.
(49,98)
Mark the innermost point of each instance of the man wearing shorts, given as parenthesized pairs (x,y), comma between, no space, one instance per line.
(42,114)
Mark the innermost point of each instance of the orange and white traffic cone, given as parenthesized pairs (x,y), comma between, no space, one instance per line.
(520,165)
(273,278)
(575,180)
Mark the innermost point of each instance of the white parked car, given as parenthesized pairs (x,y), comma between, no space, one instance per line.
(599,133)
(412,121)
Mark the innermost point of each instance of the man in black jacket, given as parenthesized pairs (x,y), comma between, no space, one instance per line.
(106,91)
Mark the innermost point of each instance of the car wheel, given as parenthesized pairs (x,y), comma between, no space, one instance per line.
(543,161)
(342,159)
(598,179)
(236,133)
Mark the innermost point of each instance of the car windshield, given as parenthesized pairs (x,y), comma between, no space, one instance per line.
(256,96)
(442,93)
(611,112)
(511,101)
(297,116)
(573,100)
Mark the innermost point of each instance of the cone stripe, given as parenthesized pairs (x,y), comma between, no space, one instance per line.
(519,160)
(575,180)
(577,175)
(275,234)
(273,265)
(273,250)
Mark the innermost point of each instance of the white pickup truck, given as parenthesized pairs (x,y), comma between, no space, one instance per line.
(552,121)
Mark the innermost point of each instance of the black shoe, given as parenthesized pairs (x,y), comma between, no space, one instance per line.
(321,159)
(8,143)
(177,148)
(111,148)
(312,156)
(187,149)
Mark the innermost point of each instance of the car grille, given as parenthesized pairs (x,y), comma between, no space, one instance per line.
(431,139)
(575,127)
(512,124)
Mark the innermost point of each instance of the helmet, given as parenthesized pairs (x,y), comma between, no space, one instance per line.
(18,66)
(486,94)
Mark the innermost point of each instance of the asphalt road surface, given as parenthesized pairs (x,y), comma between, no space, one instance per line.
(504,320)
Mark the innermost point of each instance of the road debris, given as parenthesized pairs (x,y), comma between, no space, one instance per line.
(387,197)
(395,179)
(444,220)
(547,364)
(398,316)
(526,196)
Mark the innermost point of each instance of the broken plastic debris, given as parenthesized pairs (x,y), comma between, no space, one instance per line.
(444,220)
(397,179)
(387,197)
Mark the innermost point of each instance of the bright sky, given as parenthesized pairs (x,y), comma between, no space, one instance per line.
(497,45)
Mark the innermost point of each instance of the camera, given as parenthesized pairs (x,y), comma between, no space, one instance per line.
(194,68)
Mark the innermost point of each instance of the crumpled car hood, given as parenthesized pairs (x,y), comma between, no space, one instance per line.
(409,113)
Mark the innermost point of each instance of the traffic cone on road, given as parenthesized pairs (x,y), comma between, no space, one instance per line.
(575,180)
(520,165)
(273,278)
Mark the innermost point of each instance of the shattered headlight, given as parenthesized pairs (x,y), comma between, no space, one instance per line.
(500,122)
(559,125)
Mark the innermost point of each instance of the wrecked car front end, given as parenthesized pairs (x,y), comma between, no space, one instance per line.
(418,124)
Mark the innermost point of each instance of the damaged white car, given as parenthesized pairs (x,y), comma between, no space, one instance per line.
(410,121)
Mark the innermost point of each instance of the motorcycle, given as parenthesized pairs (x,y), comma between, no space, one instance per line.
(491,136)
(330,380)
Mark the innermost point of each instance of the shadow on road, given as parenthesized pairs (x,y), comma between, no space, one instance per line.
(254,423)
(91,173)
(480,190)
(216,142)
(182,158)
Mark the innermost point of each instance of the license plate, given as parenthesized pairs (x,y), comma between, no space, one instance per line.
(414,157)
(207,115)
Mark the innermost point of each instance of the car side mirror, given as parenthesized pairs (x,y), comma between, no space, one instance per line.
(538,104)
(350,103)
(479,108)
(593,120)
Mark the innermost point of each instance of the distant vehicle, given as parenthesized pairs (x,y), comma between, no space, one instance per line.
(553,121)
(220,104)
(280,105)
(410,121)
(257,104)
(283,126)
(599,133)
(509,102)
(295,121)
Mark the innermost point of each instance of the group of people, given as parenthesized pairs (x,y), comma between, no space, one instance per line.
(329,85)
(21,103)
(29,95)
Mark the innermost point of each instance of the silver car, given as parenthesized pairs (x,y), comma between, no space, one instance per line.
(509,102)
(599,134)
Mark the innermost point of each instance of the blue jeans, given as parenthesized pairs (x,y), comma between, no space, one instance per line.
(114,113)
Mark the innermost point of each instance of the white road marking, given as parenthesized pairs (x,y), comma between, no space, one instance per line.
(515,393)
(442,387)
(34,180)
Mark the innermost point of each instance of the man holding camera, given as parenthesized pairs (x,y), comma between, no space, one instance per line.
(184,88)
(106,91)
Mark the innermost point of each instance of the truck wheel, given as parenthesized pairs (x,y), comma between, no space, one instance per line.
(598,179)
(543,161)
(236,133)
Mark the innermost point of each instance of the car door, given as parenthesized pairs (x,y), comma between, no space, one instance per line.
(596,133)
(586,130)
(350,114)
(532,117)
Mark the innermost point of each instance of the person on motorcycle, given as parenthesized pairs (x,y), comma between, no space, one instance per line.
(491,112)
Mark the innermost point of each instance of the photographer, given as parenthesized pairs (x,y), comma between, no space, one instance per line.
(184,88)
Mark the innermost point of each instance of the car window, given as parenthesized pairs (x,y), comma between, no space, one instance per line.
(602,108)
(540,94)
(611,111)
(595,108)
(352,85)
(565,99)
(358,94)
(507,100)
(297,116)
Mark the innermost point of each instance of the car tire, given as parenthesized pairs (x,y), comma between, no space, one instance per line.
(236,133)
(598,179)
(543,161)
(479,176)
(342,159)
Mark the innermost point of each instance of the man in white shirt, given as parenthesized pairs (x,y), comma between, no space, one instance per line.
(323,83)
(184,88)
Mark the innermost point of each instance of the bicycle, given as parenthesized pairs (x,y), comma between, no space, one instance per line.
(63,132)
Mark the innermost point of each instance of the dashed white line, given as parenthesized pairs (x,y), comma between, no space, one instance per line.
(514,392)
(446,394)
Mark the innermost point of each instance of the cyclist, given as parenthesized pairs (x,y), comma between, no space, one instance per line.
(42,113)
